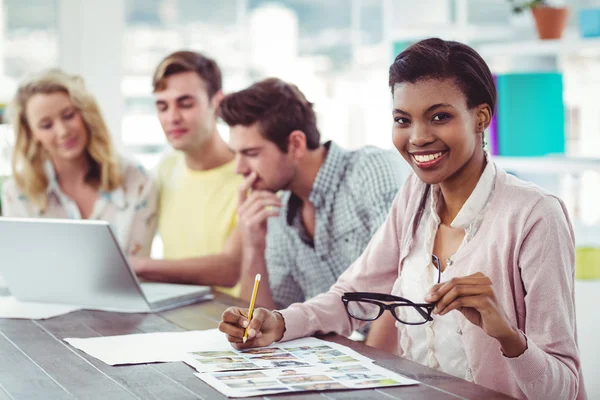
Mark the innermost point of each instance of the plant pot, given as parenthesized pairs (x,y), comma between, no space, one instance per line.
(550,21)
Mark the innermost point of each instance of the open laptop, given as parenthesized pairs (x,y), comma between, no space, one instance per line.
(79,262)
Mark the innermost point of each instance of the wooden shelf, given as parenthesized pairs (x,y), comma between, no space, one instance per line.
(548,164)
(560,47)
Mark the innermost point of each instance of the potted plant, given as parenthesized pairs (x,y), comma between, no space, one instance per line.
(550,21)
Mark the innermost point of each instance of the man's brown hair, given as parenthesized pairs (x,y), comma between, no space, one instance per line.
(278,107)
(185,61)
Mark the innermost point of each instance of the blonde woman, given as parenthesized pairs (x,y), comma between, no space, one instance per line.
(65,166)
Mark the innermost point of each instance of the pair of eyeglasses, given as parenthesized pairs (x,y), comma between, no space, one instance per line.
(366,306)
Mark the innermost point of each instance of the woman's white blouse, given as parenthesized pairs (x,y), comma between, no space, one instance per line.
(438,343)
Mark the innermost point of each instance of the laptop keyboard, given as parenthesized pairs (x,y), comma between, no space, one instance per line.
(156,292)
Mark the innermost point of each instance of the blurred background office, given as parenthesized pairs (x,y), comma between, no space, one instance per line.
(338,52)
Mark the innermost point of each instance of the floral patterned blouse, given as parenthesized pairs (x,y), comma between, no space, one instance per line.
(131,209)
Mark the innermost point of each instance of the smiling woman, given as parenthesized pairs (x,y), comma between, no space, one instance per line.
(505,249)
(440,131)
(64,164)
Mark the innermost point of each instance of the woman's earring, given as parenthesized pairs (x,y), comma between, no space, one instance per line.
(483,141)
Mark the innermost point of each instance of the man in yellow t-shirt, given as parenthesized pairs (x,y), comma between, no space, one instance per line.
(198,184)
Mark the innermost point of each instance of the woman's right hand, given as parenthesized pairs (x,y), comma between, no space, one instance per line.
(265,328)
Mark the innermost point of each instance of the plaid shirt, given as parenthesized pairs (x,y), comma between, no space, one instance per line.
(352,195)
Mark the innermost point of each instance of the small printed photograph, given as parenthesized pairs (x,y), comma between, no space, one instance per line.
(264,350)
(321,354)
(336,360)
(295,349)
(278,389)
(291,380)
(274,357)
(233,367)
(229,376)
(378,382)
(289,372)
(330,353)
(222,360)
(320,386)
(289,363)
(215,354)
(312,349)
(355,376)
(251,384)
(348,368)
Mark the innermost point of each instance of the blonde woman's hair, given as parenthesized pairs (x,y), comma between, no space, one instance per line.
(29,156)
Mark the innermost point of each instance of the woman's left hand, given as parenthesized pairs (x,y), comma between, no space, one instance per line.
(474,297)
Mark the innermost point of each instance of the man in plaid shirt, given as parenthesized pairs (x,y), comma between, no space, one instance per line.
(333,200)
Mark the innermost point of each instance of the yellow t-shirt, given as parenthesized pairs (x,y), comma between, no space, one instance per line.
(197,209)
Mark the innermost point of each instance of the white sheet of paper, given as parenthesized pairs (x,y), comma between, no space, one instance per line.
(145,348)
(294,380)
(306,352)
(13,308)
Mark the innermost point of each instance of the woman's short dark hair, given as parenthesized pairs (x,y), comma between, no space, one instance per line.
(439,59)
(278,107)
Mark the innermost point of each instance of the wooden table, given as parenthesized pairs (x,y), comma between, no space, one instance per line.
(36,364)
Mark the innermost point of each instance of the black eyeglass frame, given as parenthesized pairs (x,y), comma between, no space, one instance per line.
(424,309)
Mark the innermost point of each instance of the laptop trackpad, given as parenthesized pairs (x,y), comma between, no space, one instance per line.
(156,292)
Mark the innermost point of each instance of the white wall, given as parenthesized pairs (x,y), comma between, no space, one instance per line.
(90,44)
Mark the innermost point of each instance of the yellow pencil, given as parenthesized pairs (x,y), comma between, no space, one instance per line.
(251,309)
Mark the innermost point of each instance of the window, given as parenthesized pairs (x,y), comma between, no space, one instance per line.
(153,30)
(333,51)
(28,43)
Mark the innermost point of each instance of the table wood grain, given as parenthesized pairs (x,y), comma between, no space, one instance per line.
(35,362)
